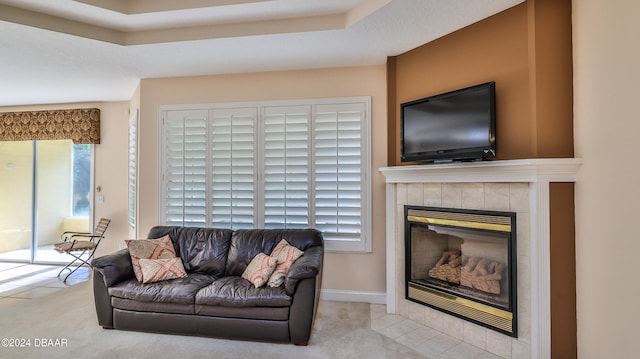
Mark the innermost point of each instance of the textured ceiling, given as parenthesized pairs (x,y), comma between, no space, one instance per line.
(57,51)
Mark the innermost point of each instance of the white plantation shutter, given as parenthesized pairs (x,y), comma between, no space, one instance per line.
(286,162)
(233,168)
(300,164)
(132,171)
(185,168)
(340,156)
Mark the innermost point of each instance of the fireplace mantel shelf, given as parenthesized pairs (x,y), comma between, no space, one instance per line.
(523,170)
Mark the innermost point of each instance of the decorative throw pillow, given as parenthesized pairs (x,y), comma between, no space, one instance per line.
(149,249)
(259,270)
(155,270)
(286,255)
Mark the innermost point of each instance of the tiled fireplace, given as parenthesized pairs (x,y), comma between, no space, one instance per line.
(520,187)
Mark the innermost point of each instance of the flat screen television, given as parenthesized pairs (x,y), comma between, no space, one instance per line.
(453,126)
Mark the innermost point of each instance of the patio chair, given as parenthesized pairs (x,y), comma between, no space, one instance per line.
(81,246)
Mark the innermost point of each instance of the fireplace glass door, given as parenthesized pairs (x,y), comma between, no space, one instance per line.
(463,262)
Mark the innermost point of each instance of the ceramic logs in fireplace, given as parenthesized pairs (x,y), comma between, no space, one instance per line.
(463,262)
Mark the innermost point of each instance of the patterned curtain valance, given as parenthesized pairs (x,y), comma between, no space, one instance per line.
(79,125)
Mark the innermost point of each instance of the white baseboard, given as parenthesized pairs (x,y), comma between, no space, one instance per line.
(353,296)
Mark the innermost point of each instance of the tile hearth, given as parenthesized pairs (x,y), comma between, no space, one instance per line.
(432,343)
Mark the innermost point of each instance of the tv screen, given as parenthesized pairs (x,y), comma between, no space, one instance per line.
(457,125)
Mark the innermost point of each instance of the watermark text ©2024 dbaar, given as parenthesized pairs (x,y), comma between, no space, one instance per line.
(34,343)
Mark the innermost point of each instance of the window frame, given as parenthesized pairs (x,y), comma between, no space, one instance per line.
(363,244)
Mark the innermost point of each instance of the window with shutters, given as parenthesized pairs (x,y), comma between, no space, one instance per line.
(286,166)
(185,143)
(293,164)
(232,149)
(133,170)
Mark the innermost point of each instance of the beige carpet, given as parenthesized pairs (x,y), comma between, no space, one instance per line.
(66,319)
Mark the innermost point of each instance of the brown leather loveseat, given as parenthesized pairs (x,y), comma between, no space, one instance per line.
(214,300)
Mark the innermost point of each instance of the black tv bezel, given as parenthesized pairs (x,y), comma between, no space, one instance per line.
(459,154)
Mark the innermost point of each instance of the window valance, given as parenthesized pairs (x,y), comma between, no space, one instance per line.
(79,125)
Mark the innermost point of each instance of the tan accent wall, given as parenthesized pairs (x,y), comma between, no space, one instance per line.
(393,125)
(551,77)
(342,271)
(526,50)
(563,271)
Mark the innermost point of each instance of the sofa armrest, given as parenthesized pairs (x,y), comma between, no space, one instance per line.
(307,266)
(114,267)
(102,299)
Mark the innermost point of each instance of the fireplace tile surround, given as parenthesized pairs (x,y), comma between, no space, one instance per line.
(520,186)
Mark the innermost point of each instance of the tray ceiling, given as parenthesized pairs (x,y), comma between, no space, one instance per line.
(97,50)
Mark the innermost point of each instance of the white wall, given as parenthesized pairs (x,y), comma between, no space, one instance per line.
(606,130)
(111,161)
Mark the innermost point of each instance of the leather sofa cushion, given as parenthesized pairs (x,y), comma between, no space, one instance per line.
(259,313)
(246,244)
(177,291)
(239,292)
(203,250)
(153,307)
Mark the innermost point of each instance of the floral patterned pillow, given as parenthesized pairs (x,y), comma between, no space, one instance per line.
(149,249)
(259,270)
(156,270)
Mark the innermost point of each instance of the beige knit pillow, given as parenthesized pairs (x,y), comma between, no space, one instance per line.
(259,270)
(286,255)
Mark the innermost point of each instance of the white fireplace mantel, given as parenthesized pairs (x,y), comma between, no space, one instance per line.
(538,173)
(526,170)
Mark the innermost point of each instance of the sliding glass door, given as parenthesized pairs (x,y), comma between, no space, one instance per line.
(16,204)
(49,193)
